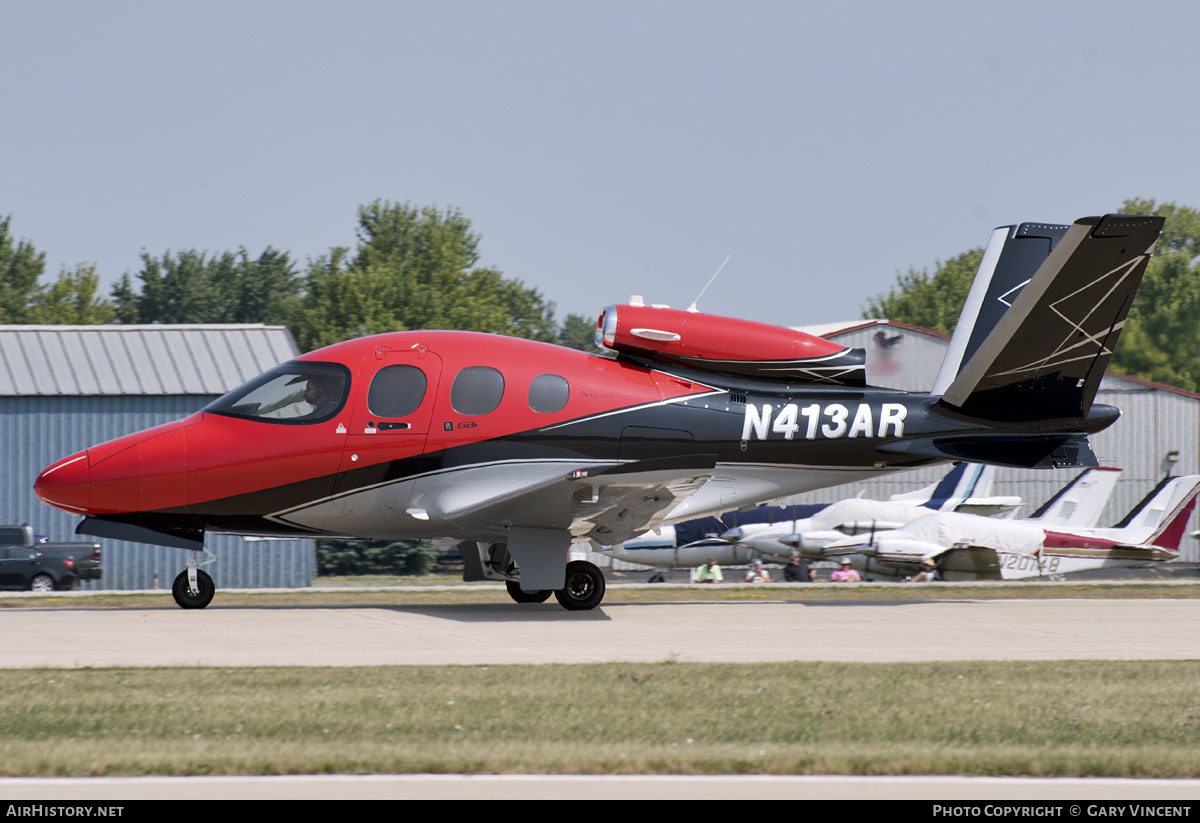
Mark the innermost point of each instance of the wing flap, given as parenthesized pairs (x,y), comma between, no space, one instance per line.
(609,503)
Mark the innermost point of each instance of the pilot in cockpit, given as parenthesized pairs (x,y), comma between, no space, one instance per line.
(323,393)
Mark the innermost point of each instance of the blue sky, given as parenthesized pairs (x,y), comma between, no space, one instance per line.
(600,150)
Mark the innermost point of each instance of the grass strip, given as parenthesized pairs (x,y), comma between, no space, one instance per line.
(1074,718)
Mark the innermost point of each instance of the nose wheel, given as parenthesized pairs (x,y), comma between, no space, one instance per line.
(193,588)
(193,597)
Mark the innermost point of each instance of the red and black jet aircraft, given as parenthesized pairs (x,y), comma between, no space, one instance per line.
(519,449)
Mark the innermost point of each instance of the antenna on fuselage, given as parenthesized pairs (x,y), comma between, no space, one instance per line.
(692,308)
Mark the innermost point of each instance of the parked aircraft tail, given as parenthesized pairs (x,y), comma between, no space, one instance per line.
(963,481)
(1080,502)
(1161,518)
(967,487)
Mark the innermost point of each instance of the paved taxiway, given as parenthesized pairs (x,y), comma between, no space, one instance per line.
(495,634)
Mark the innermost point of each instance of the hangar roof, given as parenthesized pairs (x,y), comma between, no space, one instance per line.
(846,326)
(137,360)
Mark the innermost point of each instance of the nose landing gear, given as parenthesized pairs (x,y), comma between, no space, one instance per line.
(193,588)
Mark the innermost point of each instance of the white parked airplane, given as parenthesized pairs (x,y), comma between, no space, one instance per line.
(966,547)
(1079,503)
(728,539)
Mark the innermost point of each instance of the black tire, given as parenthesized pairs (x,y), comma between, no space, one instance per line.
(521,596)
(41,583)
(188,599)
(584,589)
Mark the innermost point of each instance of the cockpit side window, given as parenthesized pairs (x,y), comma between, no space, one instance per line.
(296,393)
(396,391)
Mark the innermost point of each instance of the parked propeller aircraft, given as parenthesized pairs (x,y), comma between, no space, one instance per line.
(518,448)
(968,547)
(1079,503)
(741,537)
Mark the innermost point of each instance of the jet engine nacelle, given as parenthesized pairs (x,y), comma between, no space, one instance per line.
(727,345)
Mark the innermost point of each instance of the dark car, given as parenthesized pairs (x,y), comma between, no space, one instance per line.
(25,567)
(82,558)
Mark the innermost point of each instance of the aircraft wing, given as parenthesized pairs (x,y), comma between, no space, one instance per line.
(610,503)
(630,498)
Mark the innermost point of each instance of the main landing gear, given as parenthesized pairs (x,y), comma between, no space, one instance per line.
(519,595)
(584,588)
(193,588)
(583,585)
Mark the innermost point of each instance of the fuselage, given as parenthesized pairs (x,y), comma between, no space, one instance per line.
(422,420)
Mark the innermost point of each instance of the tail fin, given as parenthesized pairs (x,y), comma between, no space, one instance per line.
(964,481)
(1080,502)
(1161,518)
(1044,357)
(1010,260)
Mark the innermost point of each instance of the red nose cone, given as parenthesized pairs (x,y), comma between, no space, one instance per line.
(66,484)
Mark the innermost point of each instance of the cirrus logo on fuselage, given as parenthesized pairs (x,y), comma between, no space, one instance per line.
(829,421)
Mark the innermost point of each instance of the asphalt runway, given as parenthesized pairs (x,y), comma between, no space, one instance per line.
(545,633)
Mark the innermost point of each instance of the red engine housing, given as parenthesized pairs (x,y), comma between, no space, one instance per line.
(727,345)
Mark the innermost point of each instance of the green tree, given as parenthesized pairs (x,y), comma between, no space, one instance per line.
(932,301)
(192,287)
(72,299)
(1161,338)
(579,332)
(20,267)
(413,268)
(404,557)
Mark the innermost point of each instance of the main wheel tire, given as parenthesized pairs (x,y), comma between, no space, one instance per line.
(521,596)
(41,583)
(188,599)
(584,589)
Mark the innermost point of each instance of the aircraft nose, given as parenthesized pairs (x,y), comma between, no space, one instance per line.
(66,484)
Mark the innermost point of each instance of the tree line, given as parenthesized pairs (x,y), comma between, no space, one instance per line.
(411,268)
(418,268)
(1161,337)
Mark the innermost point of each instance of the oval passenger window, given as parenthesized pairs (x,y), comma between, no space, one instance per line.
(548,393)
(477,390)
(396,391)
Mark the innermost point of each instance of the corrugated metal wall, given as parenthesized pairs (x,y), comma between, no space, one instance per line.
(36,431)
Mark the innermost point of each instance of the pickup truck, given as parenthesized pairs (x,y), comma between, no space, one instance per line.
(79,560)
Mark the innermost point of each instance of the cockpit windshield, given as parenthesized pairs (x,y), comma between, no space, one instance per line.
(296,393)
